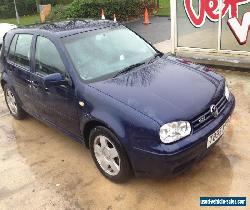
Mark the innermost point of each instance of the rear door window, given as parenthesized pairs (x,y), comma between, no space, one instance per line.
(22,52)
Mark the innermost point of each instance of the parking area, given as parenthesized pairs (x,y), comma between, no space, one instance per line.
(158,31)
(40,168)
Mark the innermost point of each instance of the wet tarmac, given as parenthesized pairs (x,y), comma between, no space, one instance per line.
(40,168)
(158,31)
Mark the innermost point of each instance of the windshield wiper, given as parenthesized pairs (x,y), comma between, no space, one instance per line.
(153,58)
(127,69)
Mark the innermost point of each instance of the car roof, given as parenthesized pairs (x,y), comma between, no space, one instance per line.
(67,28)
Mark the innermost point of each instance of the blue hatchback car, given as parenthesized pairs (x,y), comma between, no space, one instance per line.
(137,110)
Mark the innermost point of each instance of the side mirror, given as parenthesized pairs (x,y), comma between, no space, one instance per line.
(54,80)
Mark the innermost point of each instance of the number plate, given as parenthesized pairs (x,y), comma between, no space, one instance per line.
(216,135)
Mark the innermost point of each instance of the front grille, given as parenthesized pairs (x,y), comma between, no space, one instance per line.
(206,117)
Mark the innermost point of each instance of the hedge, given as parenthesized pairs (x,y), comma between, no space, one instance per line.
(124,9)
(24,7)
(58,12)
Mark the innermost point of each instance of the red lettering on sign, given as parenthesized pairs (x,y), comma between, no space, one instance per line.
(240,30)
(211,8)
(232,6)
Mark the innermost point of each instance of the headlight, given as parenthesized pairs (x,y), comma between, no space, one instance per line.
(227,92)
(174,131)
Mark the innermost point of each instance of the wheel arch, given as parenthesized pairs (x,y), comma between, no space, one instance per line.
(88,126)
(3,83)
(109,123)
(95,123)
(4,79)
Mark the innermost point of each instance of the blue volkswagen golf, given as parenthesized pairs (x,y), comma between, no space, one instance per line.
(138,111)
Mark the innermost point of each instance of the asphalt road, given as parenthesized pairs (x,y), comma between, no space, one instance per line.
(158,31)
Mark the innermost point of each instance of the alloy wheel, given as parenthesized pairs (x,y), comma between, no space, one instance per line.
(106,155)
(11,101)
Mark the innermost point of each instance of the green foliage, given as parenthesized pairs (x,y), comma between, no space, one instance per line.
(64,2)
(164,9)
(58,12)
(44,2)
(53,2)
(6,12)
(24,7)
(124,9)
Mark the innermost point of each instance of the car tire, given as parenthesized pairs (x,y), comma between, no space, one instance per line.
(109,155)
(12,103)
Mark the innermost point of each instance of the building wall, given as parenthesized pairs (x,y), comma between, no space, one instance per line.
(203,24)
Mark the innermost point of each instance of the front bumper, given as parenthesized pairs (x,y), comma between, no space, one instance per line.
(170,160)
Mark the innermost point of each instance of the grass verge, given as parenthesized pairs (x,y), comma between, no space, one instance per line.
(164,8)
(25,20)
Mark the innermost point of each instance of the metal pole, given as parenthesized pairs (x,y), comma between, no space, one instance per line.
(219,26)
(173,15)
(17,16)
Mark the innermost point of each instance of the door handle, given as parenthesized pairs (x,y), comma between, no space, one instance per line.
(35,84)
(11,68)
(29,82)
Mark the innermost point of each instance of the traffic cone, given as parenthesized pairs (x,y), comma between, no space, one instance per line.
(103,16)
(146,17)
(115,18)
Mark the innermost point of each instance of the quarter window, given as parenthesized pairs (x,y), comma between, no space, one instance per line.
(22,53)
(48,60)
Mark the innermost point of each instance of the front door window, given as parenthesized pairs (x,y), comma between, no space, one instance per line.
(47,58)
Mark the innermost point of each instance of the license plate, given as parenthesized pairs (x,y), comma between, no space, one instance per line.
(216,135)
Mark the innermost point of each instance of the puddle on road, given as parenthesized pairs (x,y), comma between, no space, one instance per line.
(42,168)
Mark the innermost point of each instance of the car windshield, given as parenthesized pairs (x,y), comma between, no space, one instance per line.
(102,54)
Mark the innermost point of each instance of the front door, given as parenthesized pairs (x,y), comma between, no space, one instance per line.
(55,104)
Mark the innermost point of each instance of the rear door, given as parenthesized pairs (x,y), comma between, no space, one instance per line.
(18,67)
(55,104)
